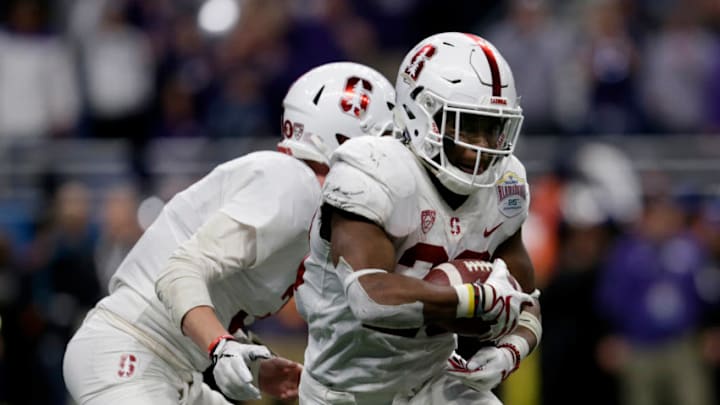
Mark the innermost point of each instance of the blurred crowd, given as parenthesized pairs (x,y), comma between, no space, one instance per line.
(630,272)
(629,264)
(149,68)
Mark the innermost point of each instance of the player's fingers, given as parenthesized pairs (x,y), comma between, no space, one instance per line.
(243,372)
(248,391)
(289,394)
(482,357)
(258,352)
(499,263)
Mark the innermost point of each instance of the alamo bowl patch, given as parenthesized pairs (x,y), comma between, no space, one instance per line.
(512,194)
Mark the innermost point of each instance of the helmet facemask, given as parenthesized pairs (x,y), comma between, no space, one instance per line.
(466,144)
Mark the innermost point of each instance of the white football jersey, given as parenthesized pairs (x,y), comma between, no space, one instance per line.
(275,194)
(382,180)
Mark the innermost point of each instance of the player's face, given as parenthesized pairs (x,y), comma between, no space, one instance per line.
(476,130)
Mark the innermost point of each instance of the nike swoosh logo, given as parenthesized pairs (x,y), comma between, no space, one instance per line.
(489,232)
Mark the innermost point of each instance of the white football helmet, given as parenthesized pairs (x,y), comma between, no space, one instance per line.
(332,103)
(450,88)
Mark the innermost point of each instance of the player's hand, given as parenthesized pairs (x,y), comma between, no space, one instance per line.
(502,300)
(486,369)
(230,368)
(280,377)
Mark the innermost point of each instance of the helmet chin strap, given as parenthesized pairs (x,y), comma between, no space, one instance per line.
(447,180)
(453,183)
(452,179)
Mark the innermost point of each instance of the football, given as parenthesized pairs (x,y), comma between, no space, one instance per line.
(461,271)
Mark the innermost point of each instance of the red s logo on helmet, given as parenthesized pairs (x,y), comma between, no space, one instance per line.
(356,99)
(418,61)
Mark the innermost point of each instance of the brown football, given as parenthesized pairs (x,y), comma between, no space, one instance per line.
(461,271)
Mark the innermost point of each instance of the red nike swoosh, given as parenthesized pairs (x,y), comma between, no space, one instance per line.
(488,232)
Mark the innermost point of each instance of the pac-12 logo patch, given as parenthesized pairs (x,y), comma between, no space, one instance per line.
(427,219)
(512,194)
(356,99)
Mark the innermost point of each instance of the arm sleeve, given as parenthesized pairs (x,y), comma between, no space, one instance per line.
(219,245)
(269,205)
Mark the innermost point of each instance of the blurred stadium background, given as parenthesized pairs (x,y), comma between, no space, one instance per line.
(109,107)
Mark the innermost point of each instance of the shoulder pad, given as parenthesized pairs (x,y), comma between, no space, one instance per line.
(270,187)
(515,165)
(385,159)
(375,178)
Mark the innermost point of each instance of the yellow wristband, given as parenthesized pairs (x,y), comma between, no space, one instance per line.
(466,300)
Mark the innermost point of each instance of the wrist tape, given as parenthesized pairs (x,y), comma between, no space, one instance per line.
(518,346)
(218,343)
(472,299)
(532,323)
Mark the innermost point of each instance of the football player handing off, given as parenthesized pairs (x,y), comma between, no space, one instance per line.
(223,252)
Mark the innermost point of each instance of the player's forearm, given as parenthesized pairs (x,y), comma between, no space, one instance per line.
(439,302)
(180,289)
(517,259)
(202,326)
(529,327)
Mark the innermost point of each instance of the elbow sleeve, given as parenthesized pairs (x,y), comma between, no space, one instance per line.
(220,246)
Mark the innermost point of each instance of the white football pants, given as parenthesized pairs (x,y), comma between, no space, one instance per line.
(104,365)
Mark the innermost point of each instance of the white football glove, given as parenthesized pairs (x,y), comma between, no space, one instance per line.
(502,302)
(486,369)
(230,368)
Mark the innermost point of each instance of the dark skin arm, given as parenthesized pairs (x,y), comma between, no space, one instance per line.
(513,252)
(365,245)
